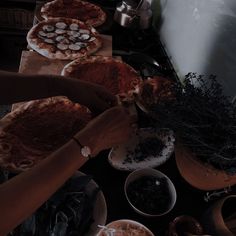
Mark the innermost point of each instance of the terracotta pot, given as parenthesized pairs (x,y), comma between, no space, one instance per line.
(220,218)
(201,175)
(184,224)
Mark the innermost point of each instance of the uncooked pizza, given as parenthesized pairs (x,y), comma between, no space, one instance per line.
(115,75)
(76,9)
(36,129)
(62,38)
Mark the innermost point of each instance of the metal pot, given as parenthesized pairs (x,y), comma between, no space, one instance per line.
(132,15)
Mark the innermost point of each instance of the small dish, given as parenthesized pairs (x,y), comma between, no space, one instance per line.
(148,148)
(41,221)
(150,192)
(124,227)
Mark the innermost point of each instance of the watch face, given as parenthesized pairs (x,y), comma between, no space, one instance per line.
(85,151)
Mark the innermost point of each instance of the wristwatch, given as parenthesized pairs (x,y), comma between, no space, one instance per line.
(85,150)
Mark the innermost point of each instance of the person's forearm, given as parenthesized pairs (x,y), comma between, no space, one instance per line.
(22,195)
(16,87)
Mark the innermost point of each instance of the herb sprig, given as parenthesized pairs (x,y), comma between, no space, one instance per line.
(203,118)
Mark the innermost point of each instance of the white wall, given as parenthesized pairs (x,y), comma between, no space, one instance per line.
(200,36)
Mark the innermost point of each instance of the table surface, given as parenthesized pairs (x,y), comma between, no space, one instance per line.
(190,201)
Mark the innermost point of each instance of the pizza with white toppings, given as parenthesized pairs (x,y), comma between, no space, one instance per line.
(64,38)
(115,75)
(76,9)
(36,129)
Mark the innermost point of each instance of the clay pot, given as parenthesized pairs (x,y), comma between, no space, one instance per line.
(201,175)
(220,218)
(184,224)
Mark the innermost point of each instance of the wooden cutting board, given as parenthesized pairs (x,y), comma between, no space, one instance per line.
(34,63)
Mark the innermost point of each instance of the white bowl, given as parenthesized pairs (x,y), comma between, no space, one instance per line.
(123,224)
(153,173)
(123,157)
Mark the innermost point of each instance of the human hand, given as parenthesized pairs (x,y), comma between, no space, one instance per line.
(95,97)
(112,127)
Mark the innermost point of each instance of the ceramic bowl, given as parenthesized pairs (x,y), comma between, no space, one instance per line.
(141,193)
(132,155)
(124,227)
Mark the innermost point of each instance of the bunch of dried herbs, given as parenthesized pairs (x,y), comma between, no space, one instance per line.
(203,119)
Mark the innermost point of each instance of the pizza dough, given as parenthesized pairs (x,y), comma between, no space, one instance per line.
(36,129)
(76,9)
(115,75)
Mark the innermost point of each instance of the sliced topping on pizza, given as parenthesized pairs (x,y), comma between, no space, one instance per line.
(50,41)
(74,47)
(82,45)
(41,33)
(61,25)
(48,28)
(74,26)
(60,31)
(73,33)
(73,39)
(62,46)
(51,35)
(84,37)
(65,41)
(41,37)
(60,38)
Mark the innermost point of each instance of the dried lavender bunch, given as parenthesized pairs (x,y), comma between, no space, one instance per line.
(203,119)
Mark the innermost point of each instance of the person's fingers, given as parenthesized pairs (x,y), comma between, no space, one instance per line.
(133,117)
